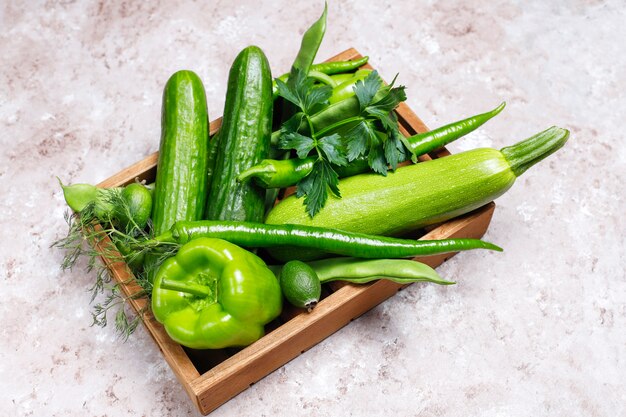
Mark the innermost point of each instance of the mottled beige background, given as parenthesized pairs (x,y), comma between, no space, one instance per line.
(539,330)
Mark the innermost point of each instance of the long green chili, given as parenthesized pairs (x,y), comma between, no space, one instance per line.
(360,245)
(340,67)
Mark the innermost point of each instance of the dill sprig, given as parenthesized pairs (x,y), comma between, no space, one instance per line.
(90,234)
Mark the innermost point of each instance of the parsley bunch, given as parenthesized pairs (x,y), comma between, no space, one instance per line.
(373,133)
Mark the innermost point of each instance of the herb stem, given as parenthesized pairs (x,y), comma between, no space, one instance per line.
(311,128)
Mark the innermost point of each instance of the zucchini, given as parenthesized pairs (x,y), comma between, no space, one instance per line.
(419,194)
(243,139)
(181,180)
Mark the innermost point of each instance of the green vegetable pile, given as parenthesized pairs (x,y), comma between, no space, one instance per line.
(214,248)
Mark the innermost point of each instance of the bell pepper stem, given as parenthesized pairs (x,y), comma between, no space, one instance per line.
(186,287)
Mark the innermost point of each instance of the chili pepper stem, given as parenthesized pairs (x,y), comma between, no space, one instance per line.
(186,287)
(257,170)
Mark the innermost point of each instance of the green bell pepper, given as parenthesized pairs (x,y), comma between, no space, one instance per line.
(213,294)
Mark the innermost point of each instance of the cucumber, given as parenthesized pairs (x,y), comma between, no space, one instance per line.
(420,194)
(181,181)
(243,139)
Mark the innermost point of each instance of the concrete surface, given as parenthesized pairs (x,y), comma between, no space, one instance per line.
(538,330)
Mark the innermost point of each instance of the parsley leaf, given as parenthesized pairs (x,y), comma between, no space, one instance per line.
(333,149)
(317,95)
(377,102)
(366,89)
(358,139)
(288,93)
(293,140)
(374,135)
(395,151)
(376,154)
(314,187)
(383,108)
(299,91)
(293,124)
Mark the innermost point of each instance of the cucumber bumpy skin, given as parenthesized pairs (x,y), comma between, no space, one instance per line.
(181,181)
(243,139)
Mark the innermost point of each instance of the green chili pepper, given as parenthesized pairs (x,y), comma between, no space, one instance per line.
(341,78)
(339,67)
(277,173)
(335,241)
(213,294)
(285,173)
(423,143)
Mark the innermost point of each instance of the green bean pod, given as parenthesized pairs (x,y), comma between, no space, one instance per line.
(361,271)
(259,235)
(311,41)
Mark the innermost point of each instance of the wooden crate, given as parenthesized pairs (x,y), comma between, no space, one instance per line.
(213,377)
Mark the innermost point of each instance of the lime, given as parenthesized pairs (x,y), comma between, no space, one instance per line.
(300,284)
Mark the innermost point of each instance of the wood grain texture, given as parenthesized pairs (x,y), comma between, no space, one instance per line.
(298,330)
